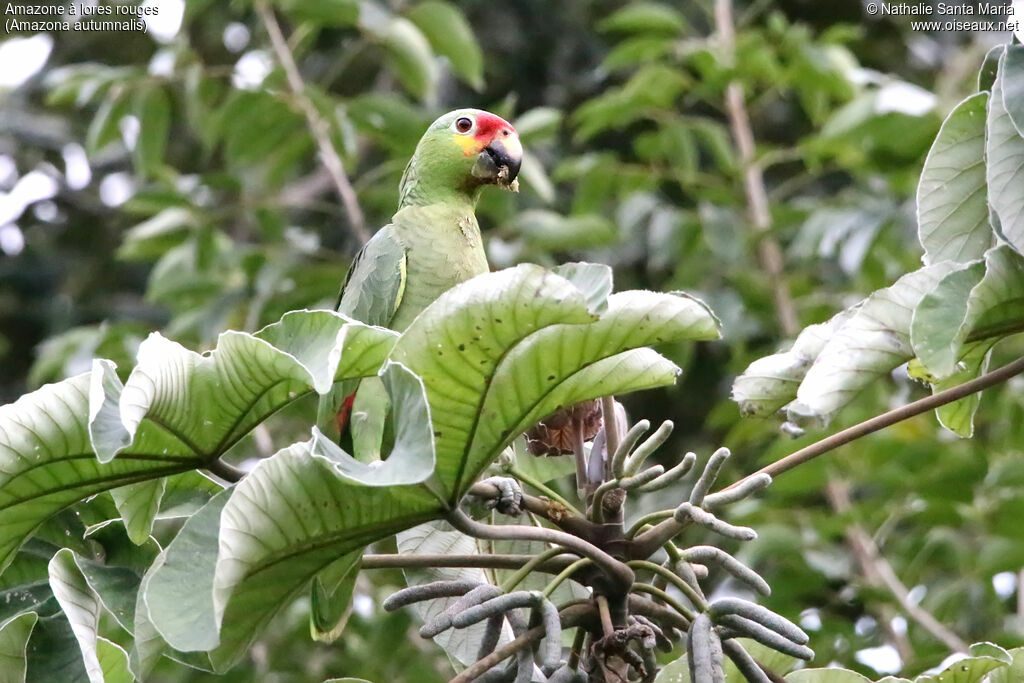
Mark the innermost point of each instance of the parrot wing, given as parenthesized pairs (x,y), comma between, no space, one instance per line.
(375,282)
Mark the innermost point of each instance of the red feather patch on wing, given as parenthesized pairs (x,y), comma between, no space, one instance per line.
(344,412)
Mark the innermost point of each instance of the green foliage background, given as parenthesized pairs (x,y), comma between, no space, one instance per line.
(232,222)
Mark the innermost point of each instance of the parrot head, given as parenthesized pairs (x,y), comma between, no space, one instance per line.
(462,151)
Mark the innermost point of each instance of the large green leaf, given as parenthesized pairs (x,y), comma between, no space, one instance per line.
(1004,153)
(196,407)
(771,382)
(952,202)
(177,411)
(984,301)
(873,342)
(300,510)
(1013,85)
(14,634)
(47,461)
(178,596)
(507,348)
(81,607)
(451,35)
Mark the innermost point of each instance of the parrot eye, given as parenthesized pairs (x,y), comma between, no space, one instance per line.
(464,124)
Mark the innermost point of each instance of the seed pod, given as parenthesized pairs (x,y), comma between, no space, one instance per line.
(428,591)
(627,443)
(762,615)
(672,476)
(708,553)
(492,634)
(651,444)
(443,621)
(766,636)
(698,644)
(495,606)
(648,475)
(709,475)
(717,660)
(744,662)
(688,511)
(747,488)
(551,652)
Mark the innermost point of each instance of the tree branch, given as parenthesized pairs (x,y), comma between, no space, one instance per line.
(616,571)
(225,471)
(499,561)
(879,572)
(884,420)
(769,252)
(318,127)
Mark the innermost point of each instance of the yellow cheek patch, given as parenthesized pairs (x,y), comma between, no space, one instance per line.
(470,146)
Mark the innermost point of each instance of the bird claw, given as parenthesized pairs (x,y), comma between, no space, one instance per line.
(509,500)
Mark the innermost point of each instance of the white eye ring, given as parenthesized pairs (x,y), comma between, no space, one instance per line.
(463,124)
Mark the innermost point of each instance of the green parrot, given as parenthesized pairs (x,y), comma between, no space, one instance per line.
(433,240)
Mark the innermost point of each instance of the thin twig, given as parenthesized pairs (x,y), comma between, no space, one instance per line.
(769,251)
(884,420)
(319,128)
(616,571)
(864,549)
(878,571)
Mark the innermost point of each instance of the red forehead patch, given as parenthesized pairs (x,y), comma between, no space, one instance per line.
(488,124)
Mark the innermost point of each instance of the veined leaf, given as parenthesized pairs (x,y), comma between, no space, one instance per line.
(1004,153)
(1012,85)
(81,607)
(463,371)
(177,411)
(301,509)
(14,634)
(874,341)
(771,382)
(197,406)
(984,301)
(437,537)
(952,201)
(47,461)
(497,367)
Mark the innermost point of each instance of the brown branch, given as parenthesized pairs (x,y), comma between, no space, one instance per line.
(884,420)
(225,471)
(769,251)
(489,561)
(616,571)
(319,128)
(879,572)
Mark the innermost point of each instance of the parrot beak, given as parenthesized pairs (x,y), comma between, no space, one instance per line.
(499,162)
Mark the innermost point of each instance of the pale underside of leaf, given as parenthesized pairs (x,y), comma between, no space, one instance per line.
(952,202)
(1004,152)
(873,342)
